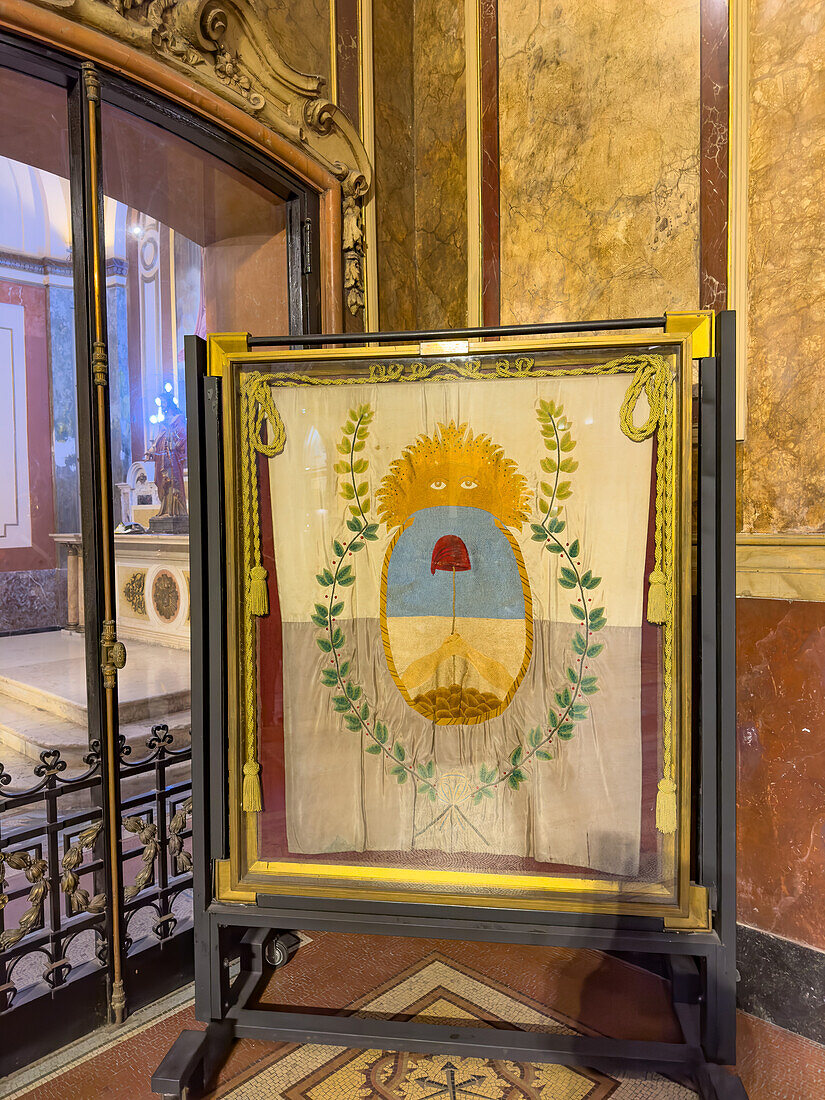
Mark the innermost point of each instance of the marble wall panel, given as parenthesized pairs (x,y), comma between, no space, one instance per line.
(490,164)
(302,31)
(31,599)
(347,50)
(395,163)
(783,460)
(440,163)
(781,767)
(713,188)
(599,134)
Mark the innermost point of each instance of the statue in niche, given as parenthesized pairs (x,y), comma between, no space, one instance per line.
(169,453)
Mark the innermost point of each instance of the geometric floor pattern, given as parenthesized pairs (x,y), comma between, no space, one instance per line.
(438,990)
(479,985)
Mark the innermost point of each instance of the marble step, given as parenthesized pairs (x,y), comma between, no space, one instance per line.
(19,767)
(48,671)
(26,731)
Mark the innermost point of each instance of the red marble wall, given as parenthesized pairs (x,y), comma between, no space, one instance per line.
(41,553)
(781,769)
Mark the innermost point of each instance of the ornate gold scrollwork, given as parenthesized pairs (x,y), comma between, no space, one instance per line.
(35,871)
(147,834)
(228,48)
(353,242)
(80,900)
(91,83)
(112,653)
(182,858)
(100,362)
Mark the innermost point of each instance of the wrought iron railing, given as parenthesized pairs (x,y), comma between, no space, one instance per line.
(55,884)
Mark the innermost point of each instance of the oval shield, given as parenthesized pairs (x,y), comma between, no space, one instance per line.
(456,610)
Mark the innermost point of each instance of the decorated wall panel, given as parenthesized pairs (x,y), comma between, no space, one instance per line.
(395,183)
(599,138)
(440,164)
(783,459)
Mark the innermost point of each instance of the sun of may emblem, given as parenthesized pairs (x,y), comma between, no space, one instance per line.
(455,603)
(456,611)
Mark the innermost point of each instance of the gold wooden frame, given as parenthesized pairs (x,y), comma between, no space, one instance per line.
(244,874)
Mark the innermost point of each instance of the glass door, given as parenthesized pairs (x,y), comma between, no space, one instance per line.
(125,225)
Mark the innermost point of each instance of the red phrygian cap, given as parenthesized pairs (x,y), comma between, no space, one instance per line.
(450,553)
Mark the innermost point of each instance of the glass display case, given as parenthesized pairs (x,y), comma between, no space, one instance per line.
(459,613)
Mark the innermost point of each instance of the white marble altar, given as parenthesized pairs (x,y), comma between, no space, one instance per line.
(152,578)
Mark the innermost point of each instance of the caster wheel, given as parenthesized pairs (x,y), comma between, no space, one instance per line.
(280,949)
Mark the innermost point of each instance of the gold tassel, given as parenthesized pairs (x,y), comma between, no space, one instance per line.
(251,787)
(666,807)
(258,592)
(657,598)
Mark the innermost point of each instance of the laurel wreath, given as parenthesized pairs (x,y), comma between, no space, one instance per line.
(568,708)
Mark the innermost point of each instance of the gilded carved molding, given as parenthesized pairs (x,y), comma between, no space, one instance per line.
(226,47)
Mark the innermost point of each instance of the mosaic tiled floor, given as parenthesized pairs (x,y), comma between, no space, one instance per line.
(439,990)
(493,985)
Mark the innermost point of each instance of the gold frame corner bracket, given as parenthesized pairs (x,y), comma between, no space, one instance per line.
(220,347)
(699,326)
(699,917)
(225,891)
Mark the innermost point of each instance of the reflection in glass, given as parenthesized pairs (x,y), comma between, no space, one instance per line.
(191,246)
(42,656)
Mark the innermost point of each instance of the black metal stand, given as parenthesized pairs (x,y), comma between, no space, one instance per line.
(701,964)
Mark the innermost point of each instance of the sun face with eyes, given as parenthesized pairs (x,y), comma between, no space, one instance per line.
(453,467)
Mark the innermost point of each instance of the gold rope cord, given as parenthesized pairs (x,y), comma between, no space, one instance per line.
(666,806)
(651,376)
(257,409)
